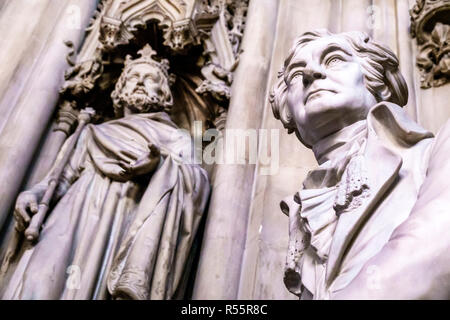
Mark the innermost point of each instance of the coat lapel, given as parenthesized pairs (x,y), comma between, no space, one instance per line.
(382,168)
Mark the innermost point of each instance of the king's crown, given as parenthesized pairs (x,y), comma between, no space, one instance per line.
(146,57)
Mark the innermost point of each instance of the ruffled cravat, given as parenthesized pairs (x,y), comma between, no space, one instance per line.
(337,188)
(339,184)
(319,218)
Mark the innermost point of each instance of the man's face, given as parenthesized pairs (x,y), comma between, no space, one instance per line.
(142,89)
(326,89)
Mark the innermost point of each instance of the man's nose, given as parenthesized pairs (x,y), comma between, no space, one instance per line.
(310,74)
(140,81)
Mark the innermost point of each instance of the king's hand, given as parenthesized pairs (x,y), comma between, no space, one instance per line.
(147,163)
(124,171)
(26,207)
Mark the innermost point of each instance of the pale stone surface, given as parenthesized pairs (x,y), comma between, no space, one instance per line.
(404,49)
(301,160)
(431,27)
(367,221)
(21,52)
(263,257)
(350,14)
(244,262)
(430,63)
(431,113)
(128,202)
(224,240)
(218,25)
(30,100)
(414,264)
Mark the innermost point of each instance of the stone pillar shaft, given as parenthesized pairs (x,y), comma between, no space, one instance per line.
(30,106)
(224,239)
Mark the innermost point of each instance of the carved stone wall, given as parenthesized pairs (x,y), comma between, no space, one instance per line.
(200,38)
(226,54)
(258,255)
(33,51)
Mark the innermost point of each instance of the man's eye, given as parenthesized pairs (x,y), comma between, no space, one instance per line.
(296,75)
(334,61)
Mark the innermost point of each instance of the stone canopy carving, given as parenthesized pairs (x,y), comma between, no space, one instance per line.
(124,198)
(146,69)
(373,217)
(217,25)
(430,25)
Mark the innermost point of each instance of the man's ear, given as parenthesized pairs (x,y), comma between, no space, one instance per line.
(172,79)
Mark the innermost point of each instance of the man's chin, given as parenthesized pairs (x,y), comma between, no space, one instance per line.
(321,105)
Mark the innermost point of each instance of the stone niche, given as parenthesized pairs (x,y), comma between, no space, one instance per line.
(200,39)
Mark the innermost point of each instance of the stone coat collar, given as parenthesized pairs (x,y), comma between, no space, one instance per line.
(388,131)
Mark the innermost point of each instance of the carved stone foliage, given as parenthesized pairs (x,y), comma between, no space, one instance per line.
(222,44)
(180,27)
(430,25)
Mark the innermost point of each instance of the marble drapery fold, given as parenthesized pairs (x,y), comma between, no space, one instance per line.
(315,217)
(141,224)
(161,234)
(413,263)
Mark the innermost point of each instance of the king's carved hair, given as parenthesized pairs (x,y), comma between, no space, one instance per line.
(146,57)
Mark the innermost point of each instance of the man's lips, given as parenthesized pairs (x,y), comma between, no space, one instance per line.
(139,90)
(316,91)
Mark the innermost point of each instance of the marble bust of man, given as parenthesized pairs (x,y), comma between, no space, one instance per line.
(127,206)
(371,221)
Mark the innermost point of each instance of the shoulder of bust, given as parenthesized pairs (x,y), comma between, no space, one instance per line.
(389,121)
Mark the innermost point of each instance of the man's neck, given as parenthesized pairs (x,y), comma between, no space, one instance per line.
(153,109)
(337,144)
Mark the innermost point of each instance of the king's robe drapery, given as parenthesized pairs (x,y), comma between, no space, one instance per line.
(126,239)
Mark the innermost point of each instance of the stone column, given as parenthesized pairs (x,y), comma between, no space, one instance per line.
(406,56)
(32,93)
(52,143)
(267,228)
(349,15)
(224,239)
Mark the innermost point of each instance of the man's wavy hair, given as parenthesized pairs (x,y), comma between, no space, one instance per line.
(379,66)
(166,93)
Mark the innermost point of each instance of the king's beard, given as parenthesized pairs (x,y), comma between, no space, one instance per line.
(140,102)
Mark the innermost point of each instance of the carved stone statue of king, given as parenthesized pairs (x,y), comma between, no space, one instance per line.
(127,206)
